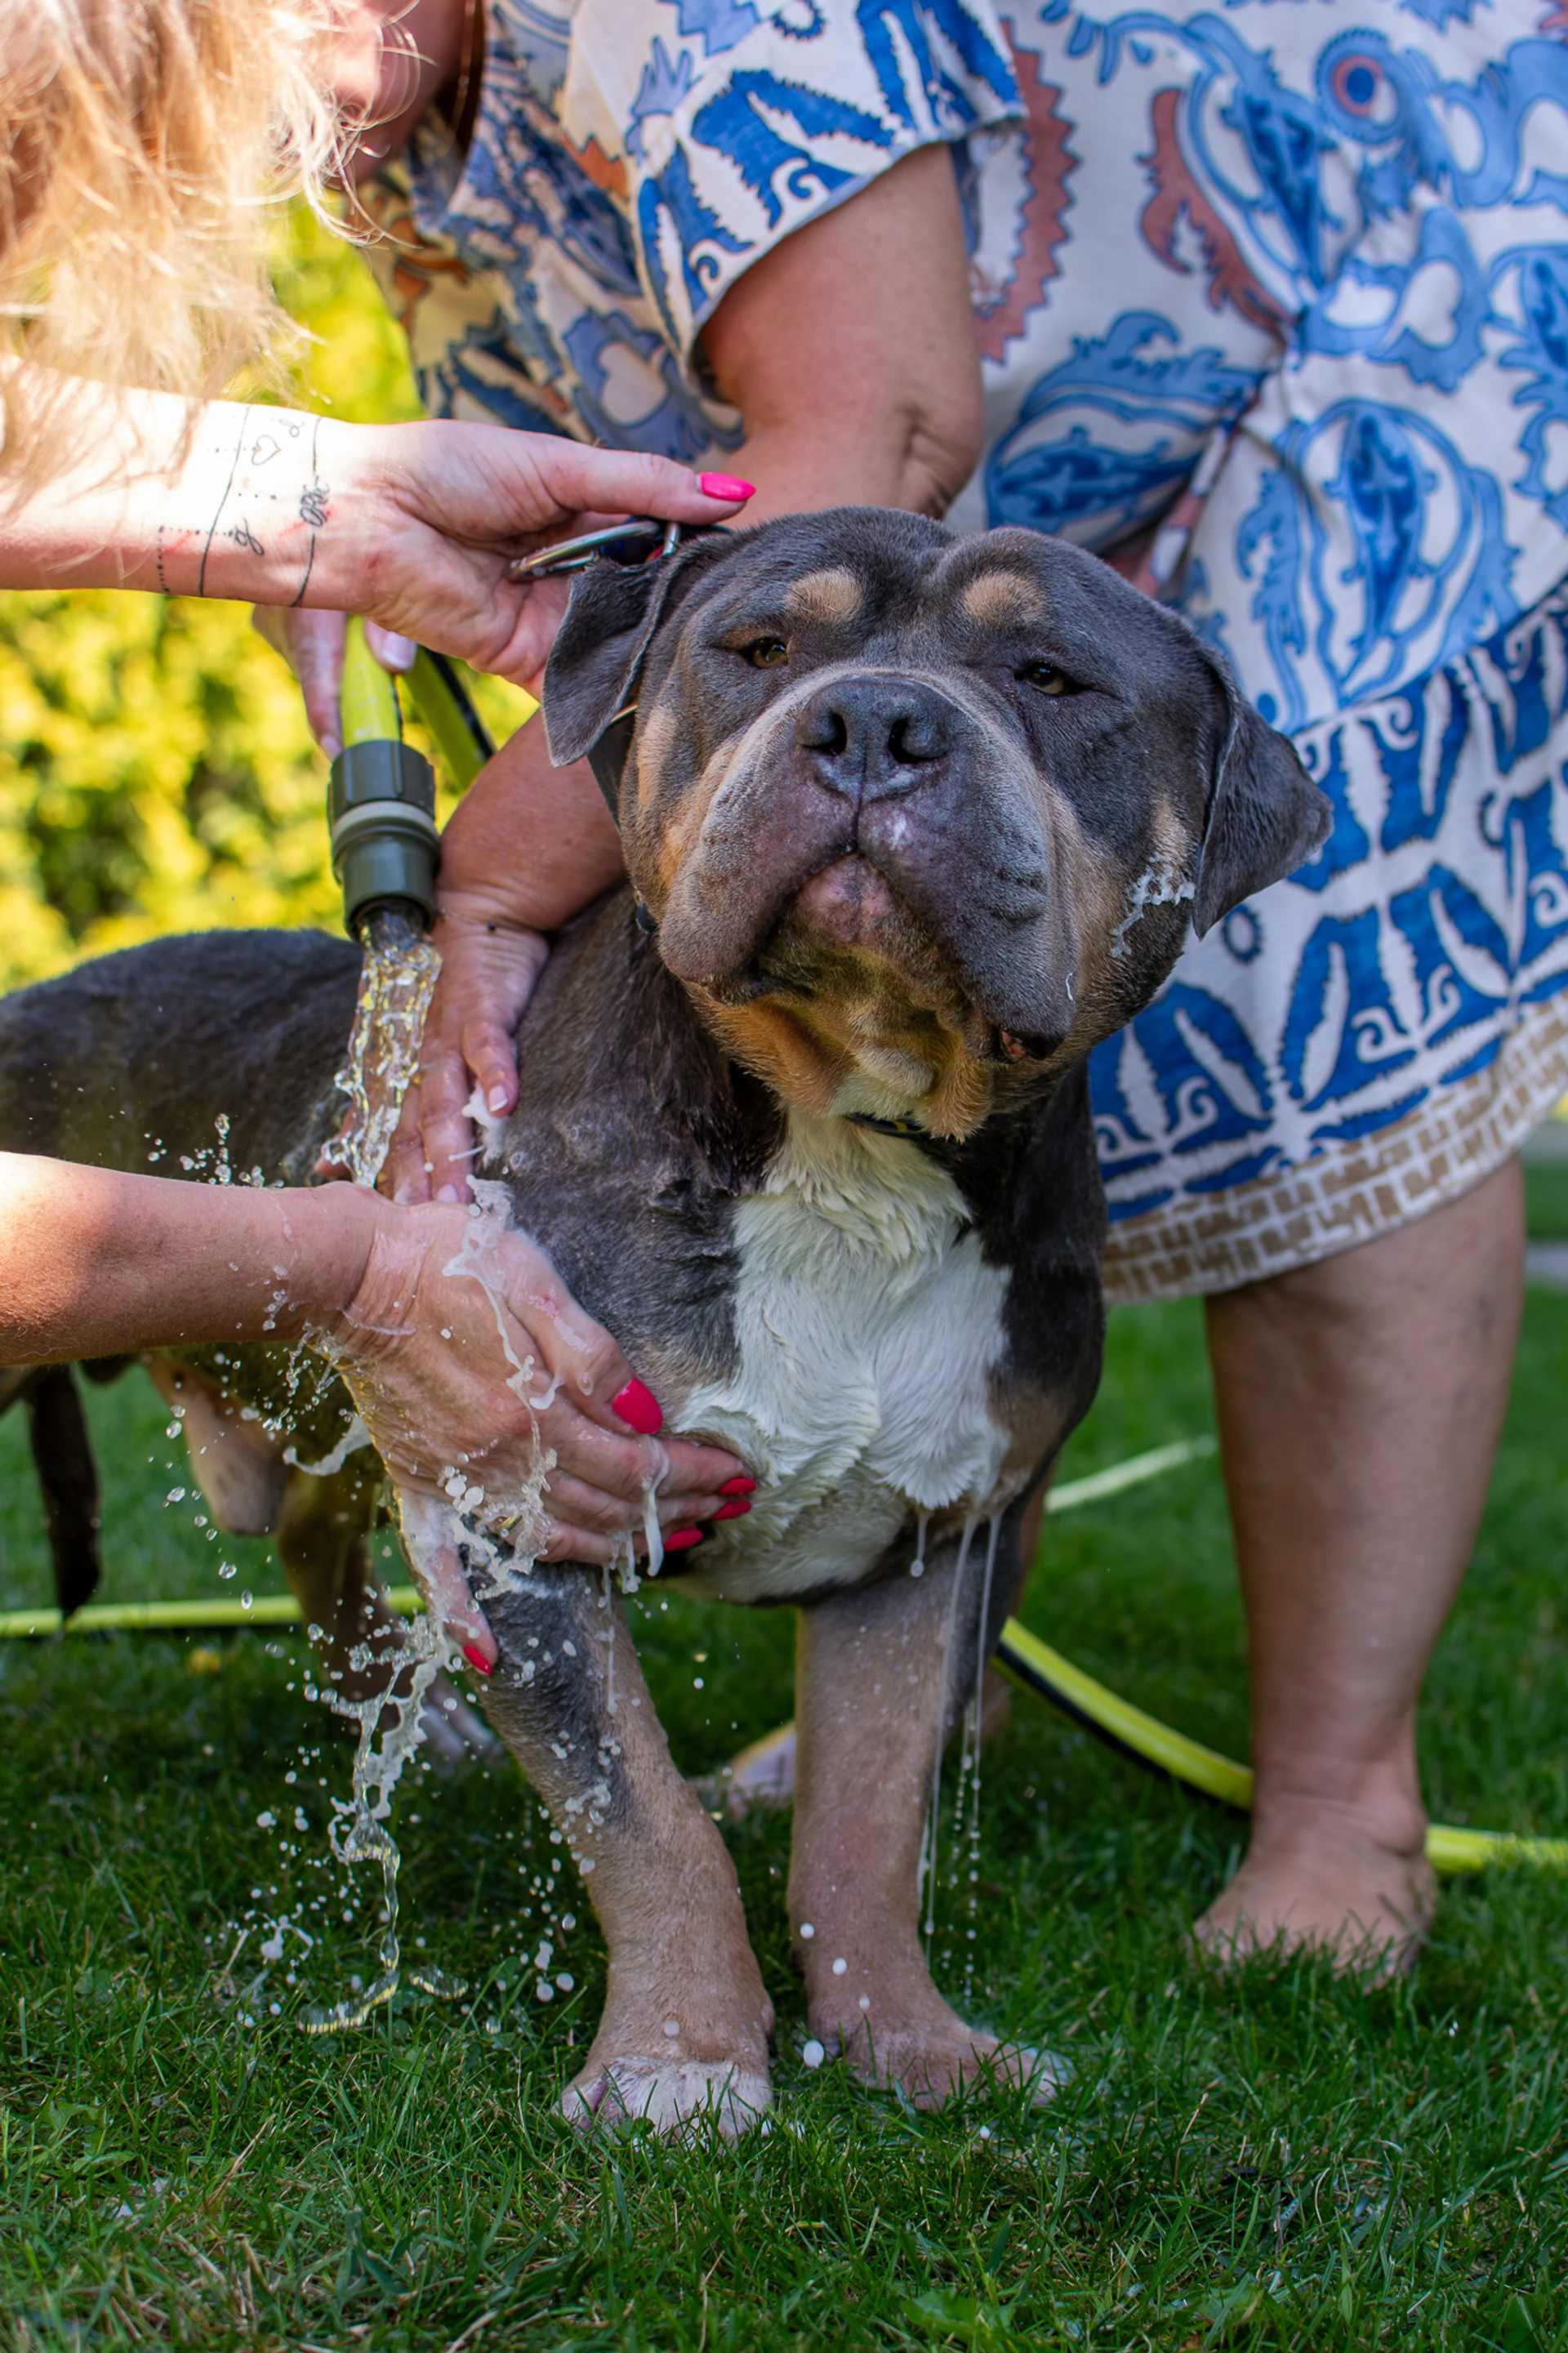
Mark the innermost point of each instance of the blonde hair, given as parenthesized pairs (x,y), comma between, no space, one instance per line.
(144,147)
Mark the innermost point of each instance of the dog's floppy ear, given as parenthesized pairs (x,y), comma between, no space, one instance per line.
(1265,813)
(597,659)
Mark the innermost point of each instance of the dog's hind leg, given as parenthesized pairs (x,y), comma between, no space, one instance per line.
(884,1674)
(324,1543)
(321,1526)
(686,2024)
(236,1463)
(67,1481)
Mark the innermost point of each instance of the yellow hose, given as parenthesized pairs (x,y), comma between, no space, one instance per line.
(1038,1668)
(1031,1664)
(368,696)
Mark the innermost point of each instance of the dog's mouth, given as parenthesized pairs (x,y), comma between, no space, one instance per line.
(883,1022)
(851,950)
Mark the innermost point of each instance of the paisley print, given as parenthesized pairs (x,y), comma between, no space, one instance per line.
(1292,278)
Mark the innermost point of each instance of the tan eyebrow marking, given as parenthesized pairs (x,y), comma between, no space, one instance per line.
(833,595)
(998,598)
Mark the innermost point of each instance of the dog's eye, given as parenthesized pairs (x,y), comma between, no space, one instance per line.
(766,653)
(1046,675)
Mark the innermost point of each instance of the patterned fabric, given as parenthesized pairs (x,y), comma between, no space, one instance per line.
(1320,246)
(1403,988)
(630,160)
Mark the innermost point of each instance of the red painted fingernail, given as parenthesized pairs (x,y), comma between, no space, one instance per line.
(738,1487)
(735,1511)
(681,1539)
(725,485)
(639,1406)
(476,1659)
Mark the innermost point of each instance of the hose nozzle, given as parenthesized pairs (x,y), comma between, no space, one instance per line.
(381,804)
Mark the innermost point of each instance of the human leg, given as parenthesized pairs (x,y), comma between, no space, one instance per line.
(1359,1402)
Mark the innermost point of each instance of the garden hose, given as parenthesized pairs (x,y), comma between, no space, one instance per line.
(1028,1662)
(1035,1667)
(459,734)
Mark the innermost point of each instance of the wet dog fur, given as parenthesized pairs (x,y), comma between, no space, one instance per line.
(911,823)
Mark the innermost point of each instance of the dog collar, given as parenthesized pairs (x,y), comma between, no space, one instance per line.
(622,542)
(883,1126)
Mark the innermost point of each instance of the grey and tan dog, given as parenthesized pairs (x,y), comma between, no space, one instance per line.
(911,823)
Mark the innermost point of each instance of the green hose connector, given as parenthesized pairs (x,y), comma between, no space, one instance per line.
(380,803)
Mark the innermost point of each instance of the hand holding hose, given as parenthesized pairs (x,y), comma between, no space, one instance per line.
(439,517)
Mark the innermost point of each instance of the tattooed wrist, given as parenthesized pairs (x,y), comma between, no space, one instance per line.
(263,506)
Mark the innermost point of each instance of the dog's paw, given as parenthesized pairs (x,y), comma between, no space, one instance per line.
(675,2096)
(934,2068)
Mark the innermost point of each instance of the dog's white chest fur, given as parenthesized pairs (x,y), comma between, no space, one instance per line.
(867,1324)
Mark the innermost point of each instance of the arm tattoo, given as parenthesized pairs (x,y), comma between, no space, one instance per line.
(212,527)
(312,511)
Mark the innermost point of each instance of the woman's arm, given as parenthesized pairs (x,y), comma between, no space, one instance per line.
(412,525)
(446,1328)
(850,351)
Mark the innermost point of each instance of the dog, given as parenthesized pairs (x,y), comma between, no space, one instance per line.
(911,821)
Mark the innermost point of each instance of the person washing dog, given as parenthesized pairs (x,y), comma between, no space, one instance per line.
(145,147)
(1260,307)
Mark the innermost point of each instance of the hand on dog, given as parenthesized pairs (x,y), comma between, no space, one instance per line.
(488,974)
(459,1327)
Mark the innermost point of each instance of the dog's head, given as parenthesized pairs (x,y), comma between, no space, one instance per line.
(916,816)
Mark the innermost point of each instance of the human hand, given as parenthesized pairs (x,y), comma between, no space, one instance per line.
(423,538)
(488,971)
(421,524)
(527,848)
(490,1395)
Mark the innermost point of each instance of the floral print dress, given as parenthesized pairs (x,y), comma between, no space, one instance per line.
(1293,276)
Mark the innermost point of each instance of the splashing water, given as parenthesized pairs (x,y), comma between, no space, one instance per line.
(359,1833)
(928,1843)
(966,1806)
(396,981)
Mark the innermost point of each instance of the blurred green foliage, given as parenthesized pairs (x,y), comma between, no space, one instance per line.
(156,773)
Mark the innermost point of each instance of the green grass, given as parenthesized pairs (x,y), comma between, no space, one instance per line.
(1546,1199)
(1274,2158)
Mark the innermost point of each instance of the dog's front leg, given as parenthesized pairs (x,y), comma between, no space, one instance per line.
(883,1675)
(686,2024)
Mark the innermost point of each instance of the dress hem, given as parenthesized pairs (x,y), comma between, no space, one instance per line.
(1351,1193)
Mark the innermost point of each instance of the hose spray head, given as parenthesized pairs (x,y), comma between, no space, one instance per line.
(380,803)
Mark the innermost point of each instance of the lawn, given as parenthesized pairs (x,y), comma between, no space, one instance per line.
(1268,2159)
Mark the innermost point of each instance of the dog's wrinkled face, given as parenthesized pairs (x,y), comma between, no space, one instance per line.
(917,815)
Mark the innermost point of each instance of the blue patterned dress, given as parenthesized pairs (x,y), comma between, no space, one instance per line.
(1307,257)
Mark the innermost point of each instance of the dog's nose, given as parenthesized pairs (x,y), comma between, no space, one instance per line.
(870,738)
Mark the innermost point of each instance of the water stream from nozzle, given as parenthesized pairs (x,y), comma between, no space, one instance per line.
(382,810)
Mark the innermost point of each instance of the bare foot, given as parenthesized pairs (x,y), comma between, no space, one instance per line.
(1330,1878)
